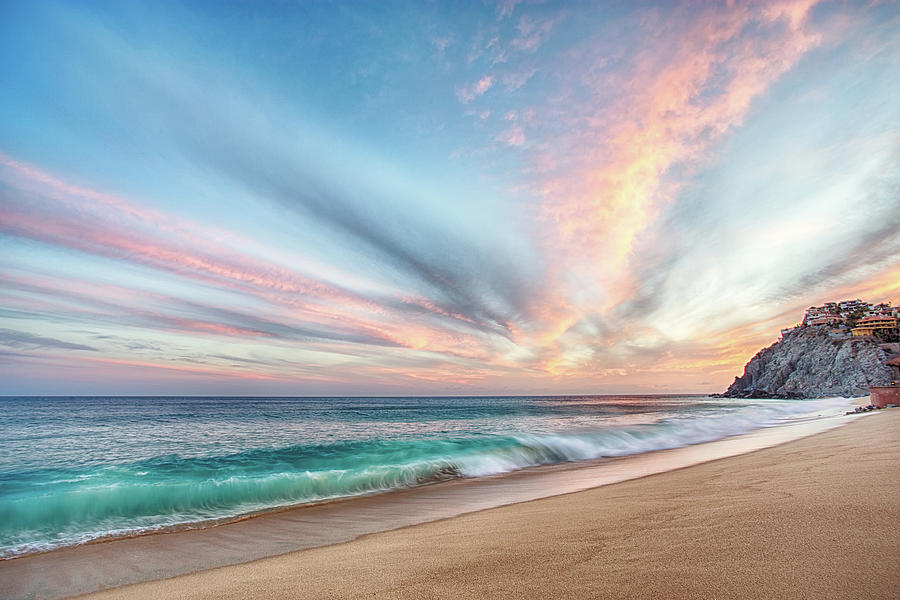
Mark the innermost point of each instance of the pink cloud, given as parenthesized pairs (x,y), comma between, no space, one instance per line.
(469,93)
(682,94)
(514,81)
(174,366)
(532,33)
(106,224)
(73,217)
(505,8)
(513,137)
(607,177)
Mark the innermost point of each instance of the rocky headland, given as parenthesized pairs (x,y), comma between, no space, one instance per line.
(811,362)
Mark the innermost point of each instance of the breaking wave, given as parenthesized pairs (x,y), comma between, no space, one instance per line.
(44,509)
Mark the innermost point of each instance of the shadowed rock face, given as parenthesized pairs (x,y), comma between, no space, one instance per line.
(808,363)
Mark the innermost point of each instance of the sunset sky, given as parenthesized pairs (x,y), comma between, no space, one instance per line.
(447,198)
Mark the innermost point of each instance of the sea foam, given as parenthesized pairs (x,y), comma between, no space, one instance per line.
(46,508)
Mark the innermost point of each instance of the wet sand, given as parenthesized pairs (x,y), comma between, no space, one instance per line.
(818,517)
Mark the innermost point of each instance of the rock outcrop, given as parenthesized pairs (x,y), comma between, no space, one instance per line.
(809,363)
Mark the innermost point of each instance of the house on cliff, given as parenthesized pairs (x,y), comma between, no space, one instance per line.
(869,325)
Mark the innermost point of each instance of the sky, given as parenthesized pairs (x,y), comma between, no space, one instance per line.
(435,198)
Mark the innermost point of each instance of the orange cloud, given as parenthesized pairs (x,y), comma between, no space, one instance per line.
(684,93)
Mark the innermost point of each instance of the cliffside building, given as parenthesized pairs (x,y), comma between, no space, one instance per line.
(869,325)
(837,313)
(825,320)
(848,306)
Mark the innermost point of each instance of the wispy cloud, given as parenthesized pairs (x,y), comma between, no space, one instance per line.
(513,137)
(442,42)
(23,339)
(634,193)
(679,98)
(46,209)
(532,33)
(505,8)
(513,81)
(468,93)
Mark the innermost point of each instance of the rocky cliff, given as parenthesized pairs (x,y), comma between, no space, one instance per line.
(809,363)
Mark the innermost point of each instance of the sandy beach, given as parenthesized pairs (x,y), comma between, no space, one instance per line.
(814,518)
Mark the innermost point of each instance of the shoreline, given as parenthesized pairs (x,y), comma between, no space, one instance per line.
(100,494)
(816,517)
(162,555)
(226,520)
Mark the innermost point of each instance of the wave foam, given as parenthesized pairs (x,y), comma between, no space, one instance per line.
(48,509)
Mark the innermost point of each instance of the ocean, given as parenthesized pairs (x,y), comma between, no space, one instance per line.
(74,470)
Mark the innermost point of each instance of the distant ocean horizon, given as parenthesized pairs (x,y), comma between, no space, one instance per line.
(76,469)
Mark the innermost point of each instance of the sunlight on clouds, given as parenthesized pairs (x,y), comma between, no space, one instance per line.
(526,197)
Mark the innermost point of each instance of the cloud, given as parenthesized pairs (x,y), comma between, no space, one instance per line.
(468,93)
(512,137)
(442,42)
(616,146)
(627,218)
(44,208)
(505,8)
(679,96)
(532,33)
(515,80)
(23,339)
(460,272)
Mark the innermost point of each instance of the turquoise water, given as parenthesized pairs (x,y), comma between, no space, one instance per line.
(76,469)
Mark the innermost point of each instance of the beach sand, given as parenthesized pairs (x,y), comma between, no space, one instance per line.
(814,518)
